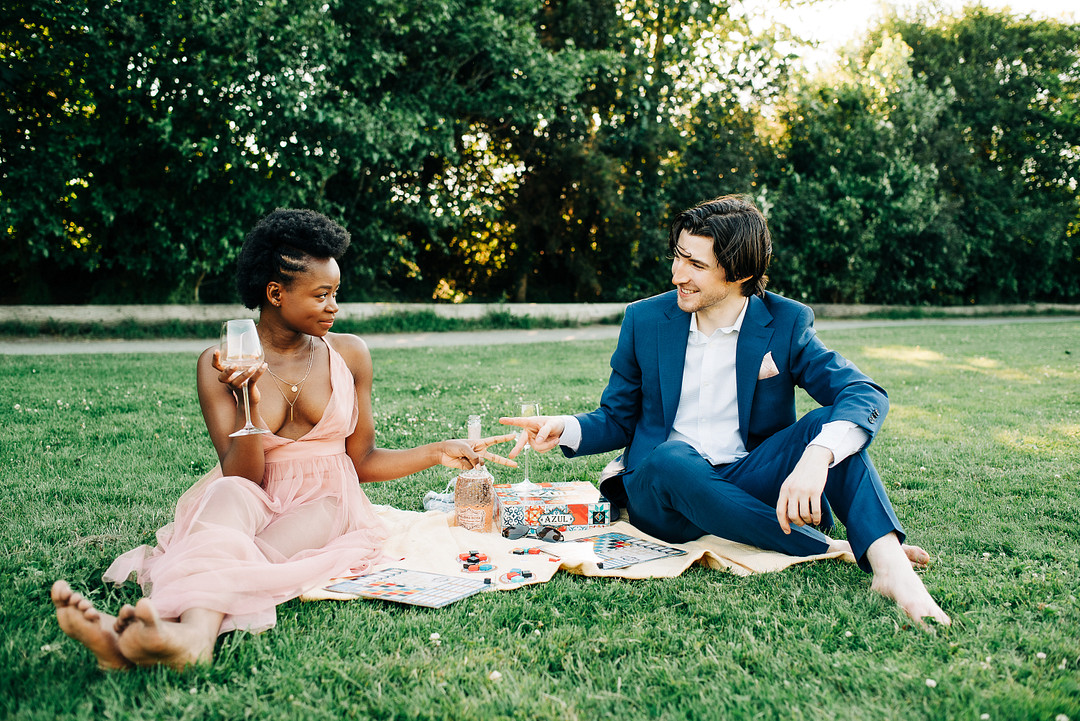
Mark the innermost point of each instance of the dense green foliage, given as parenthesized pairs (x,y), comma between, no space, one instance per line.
(980,455)
(530,151)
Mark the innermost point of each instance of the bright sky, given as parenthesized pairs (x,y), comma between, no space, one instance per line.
(834,22)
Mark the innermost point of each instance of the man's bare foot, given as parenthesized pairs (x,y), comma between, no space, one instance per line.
(148,640)
(81,621)
(917,556)
(895,578)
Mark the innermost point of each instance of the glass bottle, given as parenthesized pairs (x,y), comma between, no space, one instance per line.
(476,506)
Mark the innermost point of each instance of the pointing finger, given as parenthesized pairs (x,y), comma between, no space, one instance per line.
(523,438)
(496,440)
(495,458)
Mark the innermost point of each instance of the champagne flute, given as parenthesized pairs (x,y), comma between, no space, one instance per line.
(529,409)
(240,347)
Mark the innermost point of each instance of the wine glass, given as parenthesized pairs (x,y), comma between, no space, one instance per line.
(529,409)
(240,347)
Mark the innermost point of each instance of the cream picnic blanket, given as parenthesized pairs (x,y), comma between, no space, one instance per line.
(427,542)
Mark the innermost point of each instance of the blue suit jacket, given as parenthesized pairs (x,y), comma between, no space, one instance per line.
(637,409)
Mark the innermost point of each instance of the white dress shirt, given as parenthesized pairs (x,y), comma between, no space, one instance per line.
(707,417)
(708,414)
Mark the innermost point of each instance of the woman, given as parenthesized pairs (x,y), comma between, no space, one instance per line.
(283,510)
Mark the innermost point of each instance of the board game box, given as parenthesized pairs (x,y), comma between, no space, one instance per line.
(571,505)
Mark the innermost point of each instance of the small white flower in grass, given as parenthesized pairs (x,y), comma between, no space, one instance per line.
(193,691)
(1061,666)
(1040,655)
(435,639)
(18,407)
(495,676)
(1061,717)
(847,634)
(985,717)
(931,683)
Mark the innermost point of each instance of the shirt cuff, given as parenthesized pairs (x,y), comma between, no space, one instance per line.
(571,435)
(843,438)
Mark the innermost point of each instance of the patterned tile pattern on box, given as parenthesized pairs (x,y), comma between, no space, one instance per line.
(571,506)
(416,588)
(619,550)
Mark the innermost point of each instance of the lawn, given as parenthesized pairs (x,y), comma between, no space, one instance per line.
(980,454)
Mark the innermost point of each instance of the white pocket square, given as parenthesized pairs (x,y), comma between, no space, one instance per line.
(768,368)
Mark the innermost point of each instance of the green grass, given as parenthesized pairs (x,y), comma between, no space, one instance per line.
(397,322)
(980,453)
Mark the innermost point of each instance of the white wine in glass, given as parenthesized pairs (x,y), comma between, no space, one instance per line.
(529,409)
(240,347)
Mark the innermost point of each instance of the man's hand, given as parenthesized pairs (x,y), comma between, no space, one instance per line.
(800,496)
(540,432)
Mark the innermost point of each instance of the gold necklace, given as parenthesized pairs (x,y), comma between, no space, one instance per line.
(295,387)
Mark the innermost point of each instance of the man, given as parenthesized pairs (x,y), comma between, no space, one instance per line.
(701,396)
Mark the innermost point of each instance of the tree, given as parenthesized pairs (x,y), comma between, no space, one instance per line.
(1011,158)
(859,215)
(592,206)
(152,135)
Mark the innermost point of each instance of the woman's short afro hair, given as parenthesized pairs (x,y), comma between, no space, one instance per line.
(278,248)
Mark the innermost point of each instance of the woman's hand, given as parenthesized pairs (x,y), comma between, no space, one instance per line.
(466,454)
(234,376)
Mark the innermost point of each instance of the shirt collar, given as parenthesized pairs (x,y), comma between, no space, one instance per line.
(733,328)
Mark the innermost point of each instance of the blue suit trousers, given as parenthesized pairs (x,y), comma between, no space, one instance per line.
(676,495)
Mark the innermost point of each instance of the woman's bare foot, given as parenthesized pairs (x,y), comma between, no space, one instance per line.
(148,640)
(895,578)
(81,621)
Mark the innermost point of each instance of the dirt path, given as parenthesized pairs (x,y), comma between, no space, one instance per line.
(55,346)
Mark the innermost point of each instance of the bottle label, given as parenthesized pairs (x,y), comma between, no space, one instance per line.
(471,518)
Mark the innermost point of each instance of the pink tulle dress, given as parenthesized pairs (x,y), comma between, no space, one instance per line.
(242,549)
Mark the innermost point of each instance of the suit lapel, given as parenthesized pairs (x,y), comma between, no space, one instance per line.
(672,332)
(754,337)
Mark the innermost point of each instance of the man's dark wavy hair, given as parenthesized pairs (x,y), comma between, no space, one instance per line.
(279,247)
(741,239)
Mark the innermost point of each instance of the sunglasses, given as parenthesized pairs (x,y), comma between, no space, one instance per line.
(547,533)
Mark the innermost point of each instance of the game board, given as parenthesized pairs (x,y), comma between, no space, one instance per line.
(417,588)
(619,550)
